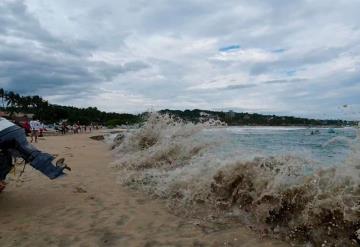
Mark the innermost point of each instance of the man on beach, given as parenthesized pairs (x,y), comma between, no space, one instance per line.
(63,128)
(35,128)
(13,142)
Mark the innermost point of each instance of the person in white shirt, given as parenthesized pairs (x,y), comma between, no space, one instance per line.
(35,126)
(13,143)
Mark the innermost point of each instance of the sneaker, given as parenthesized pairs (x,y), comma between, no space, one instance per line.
(61,163)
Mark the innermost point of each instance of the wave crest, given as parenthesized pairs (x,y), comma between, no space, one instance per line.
(163,141)
(318,208)
(283,195)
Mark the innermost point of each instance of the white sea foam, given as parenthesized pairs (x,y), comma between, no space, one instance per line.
(170,159)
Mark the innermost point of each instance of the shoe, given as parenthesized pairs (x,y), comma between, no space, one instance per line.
(61,163)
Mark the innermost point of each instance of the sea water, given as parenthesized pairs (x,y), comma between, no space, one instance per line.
(300,184)
(250,142)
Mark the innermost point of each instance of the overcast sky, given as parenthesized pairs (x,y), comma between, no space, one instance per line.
(298,57)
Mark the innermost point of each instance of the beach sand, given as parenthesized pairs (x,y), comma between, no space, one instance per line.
(88,208)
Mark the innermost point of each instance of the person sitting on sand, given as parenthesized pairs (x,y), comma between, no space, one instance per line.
(13,141)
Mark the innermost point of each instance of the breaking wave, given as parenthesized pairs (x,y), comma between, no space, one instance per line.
(283,196)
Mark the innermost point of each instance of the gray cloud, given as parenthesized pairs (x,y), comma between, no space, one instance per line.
(297,80)
(32,59)
(239,86)
(299,57)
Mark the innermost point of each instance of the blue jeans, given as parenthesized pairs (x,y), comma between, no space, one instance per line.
(5,164)
(13,138)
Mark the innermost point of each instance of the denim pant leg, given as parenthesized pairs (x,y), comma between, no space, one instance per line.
(5,165)
(37,159)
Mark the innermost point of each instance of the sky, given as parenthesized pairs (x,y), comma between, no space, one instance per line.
(298,57)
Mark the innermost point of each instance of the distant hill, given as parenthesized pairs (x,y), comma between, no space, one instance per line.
(13,103)
(253,119)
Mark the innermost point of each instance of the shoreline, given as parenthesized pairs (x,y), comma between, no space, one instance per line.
(88,207)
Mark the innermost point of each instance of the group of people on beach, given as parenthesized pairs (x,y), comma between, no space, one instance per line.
(77,128)
(34,128)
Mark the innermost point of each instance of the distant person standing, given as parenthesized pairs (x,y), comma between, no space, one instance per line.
(42,129)
(35,128)
(63,128)
(27,127)
(78,128)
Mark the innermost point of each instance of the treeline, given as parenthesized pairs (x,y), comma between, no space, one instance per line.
(12,103)
(234,118)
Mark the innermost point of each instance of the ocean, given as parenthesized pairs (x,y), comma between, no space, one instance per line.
(328,147)
(297,184)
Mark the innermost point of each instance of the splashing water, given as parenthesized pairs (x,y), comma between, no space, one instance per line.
(287,196)
(162,142)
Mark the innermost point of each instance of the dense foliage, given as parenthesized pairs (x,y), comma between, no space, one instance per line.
(49,113)
(234,118)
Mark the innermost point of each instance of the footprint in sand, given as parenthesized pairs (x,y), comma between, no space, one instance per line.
(123,219)
(91,198)
(141,201)
(109,238)
(68,155)
(79,190)
(154,243)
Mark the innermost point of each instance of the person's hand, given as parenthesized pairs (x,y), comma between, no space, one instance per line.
(61,163)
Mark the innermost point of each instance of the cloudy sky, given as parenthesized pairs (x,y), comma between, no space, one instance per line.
(298,57)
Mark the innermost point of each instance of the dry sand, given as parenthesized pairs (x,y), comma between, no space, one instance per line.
(87,208)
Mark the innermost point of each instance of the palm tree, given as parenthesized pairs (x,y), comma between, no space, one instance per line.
(2,95)
(12,101)
(25,103)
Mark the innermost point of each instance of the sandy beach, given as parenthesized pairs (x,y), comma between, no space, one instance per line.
(88,207)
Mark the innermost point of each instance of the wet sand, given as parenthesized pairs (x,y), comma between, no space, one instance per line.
(88,208)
